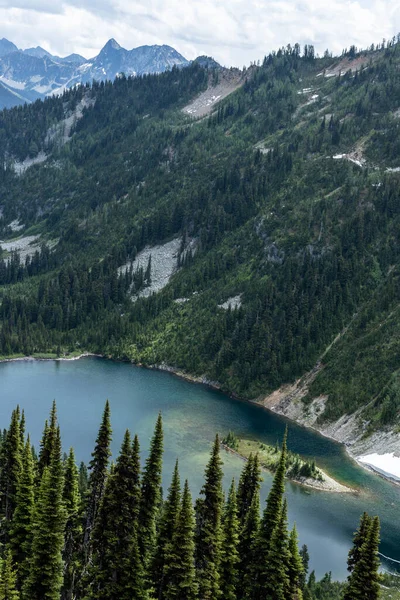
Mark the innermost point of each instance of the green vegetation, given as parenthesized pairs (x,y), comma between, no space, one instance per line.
(269,456)
(287,196)
(137,546)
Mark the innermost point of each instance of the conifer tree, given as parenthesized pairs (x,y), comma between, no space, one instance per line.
(48,440)
(272,517)
(8,579)
(359,538)
(275,570)
(150,497)
(230,548)
(11,466)
(248,549)
(22,523)
(249,485)
(46,565)
(83,479)
(296,567)
(363,582)
(166,528)
(98,474)
(305,557)
(22,426)
(73,527)
(179,568)
(208,528)
(115,532)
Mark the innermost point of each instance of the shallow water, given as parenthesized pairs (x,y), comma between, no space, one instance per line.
(193,414)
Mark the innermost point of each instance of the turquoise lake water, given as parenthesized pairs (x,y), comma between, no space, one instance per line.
(193,414)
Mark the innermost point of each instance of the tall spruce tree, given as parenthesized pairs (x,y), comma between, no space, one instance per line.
(8,579)
(363,582)
(115,532)
(249,485)
(22,523)
(98,474)
(150,497)
(272,517)
(229,568)
(73,527)
(46,566)
(180,573)
(166,529)
(359,539)
(48,441)
(208,528)
(11,467)
(275,570)
(248,549)
(296,567)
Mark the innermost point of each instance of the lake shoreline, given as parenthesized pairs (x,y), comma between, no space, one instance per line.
(214,385)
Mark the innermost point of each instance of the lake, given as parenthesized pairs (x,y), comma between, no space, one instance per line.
(192,415)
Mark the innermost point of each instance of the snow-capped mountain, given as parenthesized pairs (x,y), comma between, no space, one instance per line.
(26,75)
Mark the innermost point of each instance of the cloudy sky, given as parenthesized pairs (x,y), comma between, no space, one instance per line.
(234,32)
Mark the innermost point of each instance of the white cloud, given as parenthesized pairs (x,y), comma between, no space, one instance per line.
(235,32)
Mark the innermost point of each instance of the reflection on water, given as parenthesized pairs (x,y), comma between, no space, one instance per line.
(193,414)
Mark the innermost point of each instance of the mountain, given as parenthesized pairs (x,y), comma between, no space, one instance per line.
(7,47)
(239,226)
(35,73)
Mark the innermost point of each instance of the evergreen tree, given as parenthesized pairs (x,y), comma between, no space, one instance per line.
(115,532)
(363,582)
(166,528)
(48,441)
(83,480)
(8,579)
(296,567)
(305,557)
(98,474)
(359,539)
(11,466)
(150,498)
(272,517)
(230,548)
(208,528)
(179,565)
(21,528)
(275,569)
(73,527)
(46,565)
(249,485)
(248,549)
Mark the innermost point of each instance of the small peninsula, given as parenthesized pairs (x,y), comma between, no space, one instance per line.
(300,471)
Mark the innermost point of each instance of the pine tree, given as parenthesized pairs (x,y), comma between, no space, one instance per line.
(98,474)
(296,567)
(22,523)
(276,564)
(46,565)
(73,527)
(249,485)
(150,498)
(230,548)
(248,549)
(166,528)
(305,558)
(115,532)
(363,582)
(272,517)
(8,579)
(359,538)
(48,441)
(208,528)
(179,568)
(11,466)
(83,480)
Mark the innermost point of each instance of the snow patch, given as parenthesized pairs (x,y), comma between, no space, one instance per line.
(385,464)
(17,85)
(233,302)
(181,300)
(15,225)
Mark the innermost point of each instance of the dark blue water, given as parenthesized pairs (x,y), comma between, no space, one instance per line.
(193,414)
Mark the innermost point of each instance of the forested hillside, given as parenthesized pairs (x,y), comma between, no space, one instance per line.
(106,532)
(281,202)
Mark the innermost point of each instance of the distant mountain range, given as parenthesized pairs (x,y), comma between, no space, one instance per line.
(26,75)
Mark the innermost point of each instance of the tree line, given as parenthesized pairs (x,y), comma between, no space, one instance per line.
(107,532)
